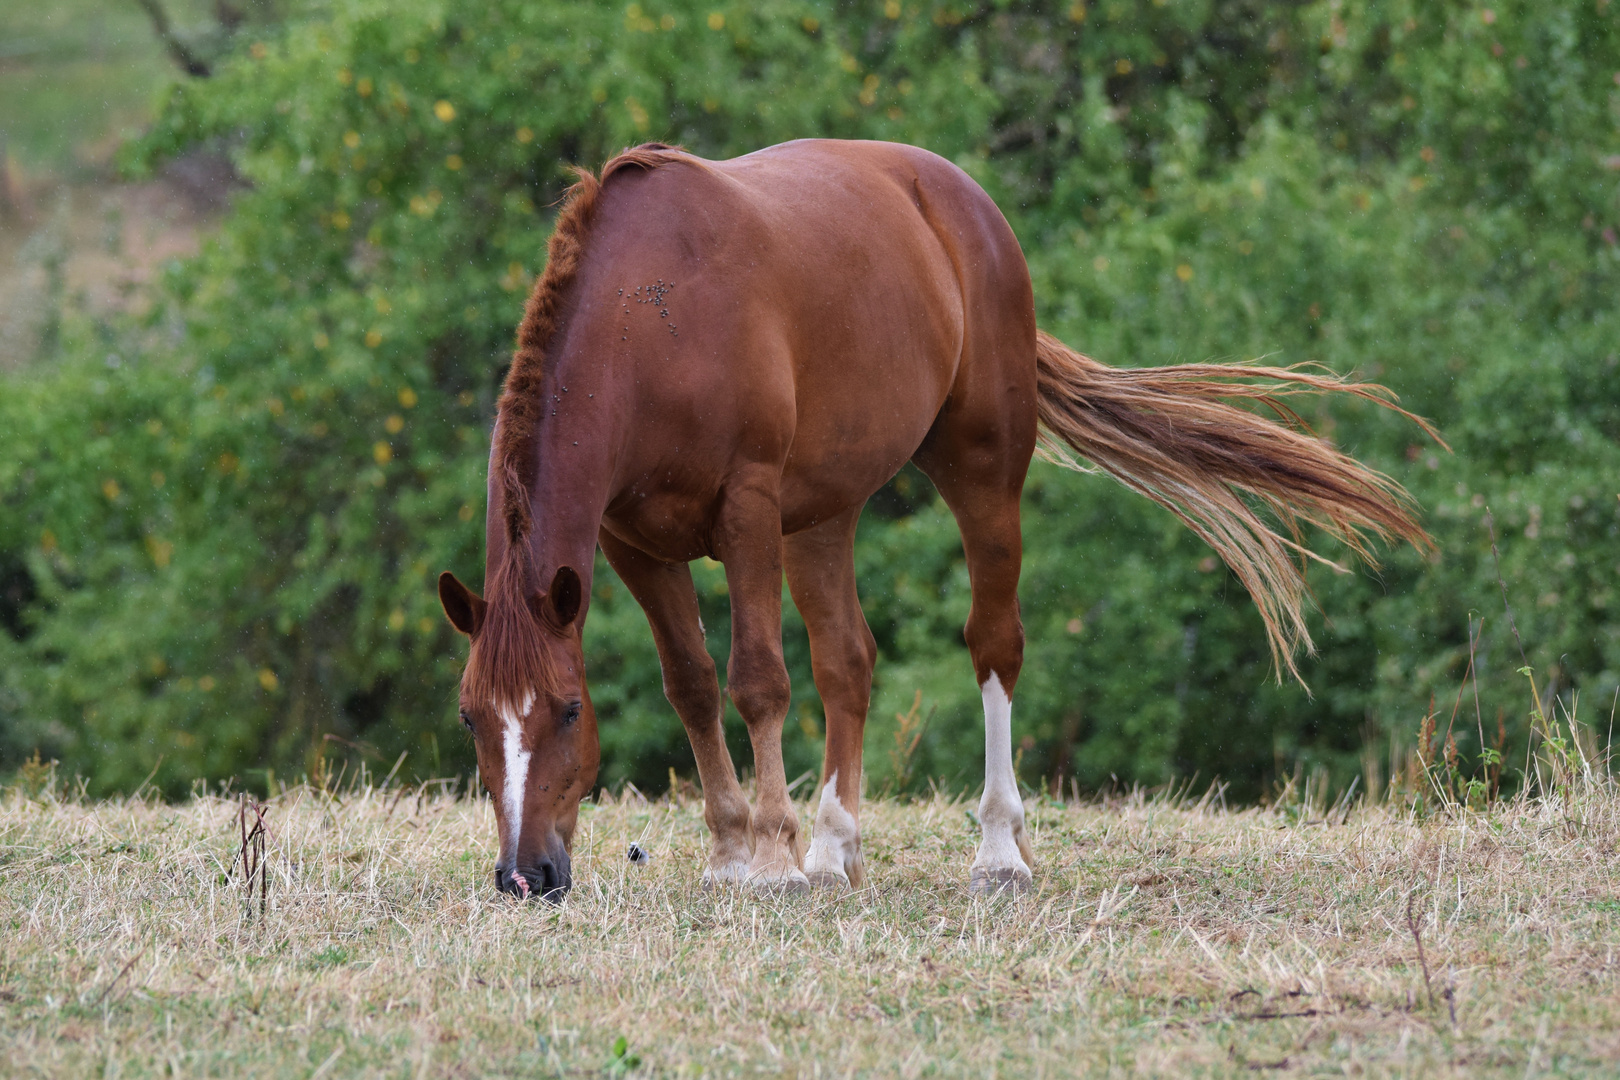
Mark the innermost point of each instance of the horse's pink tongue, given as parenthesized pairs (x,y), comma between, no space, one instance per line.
(522,884)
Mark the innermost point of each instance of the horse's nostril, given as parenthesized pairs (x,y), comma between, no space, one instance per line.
(551,880)
(512,881)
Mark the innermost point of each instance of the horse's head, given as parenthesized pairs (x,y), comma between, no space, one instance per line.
(523,697)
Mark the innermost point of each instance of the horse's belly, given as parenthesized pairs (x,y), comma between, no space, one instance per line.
(838,461)
(666,526)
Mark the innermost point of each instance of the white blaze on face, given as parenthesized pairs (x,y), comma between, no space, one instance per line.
(515,765)
(1001,811)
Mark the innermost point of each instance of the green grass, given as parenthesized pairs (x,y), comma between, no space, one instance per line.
(76,76)
(1164,937)
(74,72)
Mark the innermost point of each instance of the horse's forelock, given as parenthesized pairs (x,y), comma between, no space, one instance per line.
(510,661)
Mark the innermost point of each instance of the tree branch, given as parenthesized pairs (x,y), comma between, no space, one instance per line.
(188,61)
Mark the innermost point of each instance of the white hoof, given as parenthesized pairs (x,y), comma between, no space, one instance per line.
(1000,881)
(834,858)
(834,880)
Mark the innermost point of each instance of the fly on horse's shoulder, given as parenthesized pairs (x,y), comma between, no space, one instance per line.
(727,359)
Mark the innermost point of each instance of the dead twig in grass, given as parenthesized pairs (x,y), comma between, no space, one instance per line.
(1272,1015)
(1417,936)
(251,854)
(322,1069)
(121,973)
(1253,1066)
(1108,905)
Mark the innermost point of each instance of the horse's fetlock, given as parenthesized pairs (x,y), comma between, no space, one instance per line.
(999,810)
(780,825)
(726,819)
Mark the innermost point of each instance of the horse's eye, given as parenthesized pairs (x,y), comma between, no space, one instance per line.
(571,713)
(466,721)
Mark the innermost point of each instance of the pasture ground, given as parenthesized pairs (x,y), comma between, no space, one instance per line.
(1165,937)
(76,77)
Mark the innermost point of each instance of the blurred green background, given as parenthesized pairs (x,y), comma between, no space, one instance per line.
(229,476)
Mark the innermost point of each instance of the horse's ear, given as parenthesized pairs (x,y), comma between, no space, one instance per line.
(464,607)
(563,598)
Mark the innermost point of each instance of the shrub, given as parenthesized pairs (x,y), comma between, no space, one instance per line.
(222,522)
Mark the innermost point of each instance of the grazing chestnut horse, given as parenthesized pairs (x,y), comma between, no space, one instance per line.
(727,359)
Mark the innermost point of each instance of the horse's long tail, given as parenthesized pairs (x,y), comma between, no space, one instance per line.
(1167,433)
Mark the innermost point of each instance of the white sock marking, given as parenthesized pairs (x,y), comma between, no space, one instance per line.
(516,766)
(837,835)
(1001,810)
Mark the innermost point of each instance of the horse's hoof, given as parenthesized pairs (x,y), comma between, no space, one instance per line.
(829,879)
(790,882)
(1000,881)
(725,877)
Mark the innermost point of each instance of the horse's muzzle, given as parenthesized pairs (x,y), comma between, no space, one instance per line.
(549,879)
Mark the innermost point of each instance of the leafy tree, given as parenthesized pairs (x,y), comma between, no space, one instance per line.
(221,523)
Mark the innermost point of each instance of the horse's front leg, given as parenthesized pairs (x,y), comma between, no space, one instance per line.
(664,591)
(748,539)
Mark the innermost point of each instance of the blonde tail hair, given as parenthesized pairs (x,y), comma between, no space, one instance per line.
(1169,434)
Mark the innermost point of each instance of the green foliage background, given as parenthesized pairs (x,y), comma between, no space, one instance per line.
(219,525)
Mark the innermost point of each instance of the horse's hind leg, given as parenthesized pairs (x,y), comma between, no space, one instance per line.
(664,591)
(978,459)
(821,575)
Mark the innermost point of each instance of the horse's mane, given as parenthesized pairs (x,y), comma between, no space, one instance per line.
(520,407)
(509,660)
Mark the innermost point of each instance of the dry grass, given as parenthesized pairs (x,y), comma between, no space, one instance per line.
(1165,937)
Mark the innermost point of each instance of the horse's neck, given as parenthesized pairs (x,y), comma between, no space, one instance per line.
(574,444)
